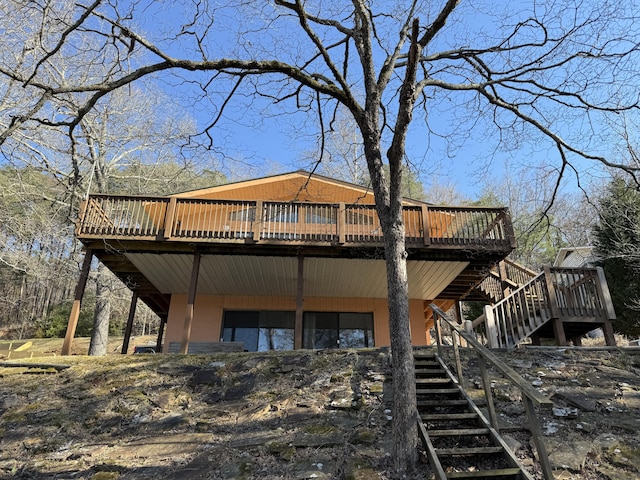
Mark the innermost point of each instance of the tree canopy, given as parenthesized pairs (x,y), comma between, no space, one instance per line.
(617,242)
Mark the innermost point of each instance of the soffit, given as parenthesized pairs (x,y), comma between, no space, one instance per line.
(277,276)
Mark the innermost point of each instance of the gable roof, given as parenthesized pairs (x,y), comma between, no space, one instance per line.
(299,186)
(575,257)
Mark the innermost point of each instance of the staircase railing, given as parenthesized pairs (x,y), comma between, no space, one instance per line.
(556,293)
(530,396)
(505,276)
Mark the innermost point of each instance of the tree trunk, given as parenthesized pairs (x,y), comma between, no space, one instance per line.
(405,416)
(100,333)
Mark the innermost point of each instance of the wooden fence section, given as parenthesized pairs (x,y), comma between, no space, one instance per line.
(567,294)
(192,219)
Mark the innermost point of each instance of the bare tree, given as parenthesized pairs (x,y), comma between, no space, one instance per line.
(525,71)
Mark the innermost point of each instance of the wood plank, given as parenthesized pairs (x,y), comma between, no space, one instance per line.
(449,416)
(442,403)
(468,451)
(502,472)
(458,432)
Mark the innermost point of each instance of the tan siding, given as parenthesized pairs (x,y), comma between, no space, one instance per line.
(208,310)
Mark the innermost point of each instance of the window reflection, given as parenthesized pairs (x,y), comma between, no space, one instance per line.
(259,330)
(337,330)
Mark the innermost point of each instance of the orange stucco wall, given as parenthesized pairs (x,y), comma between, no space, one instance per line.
(207,315)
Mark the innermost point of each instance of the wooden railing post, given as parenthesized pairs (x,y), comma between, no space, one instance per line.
(488,394)
(455,339)
(492,331)
(425,226)
(508,228)
(342,223)
(536,434)
(605,295)
(81,214)
(169,218)
(256,228)
(551,288)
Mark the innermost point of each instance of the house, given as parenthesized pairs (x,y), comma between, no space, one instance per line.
(284,262)
(576,257)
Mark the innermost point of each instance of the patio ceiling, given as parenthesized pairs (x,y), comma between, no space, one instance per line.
(277,276)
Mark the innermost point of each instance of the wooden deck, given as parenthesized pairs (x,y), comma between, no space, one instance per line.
(114,226)
(175,220)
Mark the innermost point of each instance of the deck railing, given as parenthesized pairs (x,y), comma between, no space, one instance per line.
(556,293)
(192,219)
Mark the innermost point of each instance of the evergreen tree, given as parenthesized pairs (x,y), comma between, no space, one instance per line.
(617,242)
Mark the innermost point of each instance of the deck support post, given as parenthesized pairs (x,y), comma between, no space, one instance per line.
(127,331)
(188,319)
(75,309)
(558,332)
(163,322)
(297,344)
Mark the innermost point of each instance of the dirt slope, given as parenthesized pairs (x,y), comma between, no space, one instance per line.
(292,415)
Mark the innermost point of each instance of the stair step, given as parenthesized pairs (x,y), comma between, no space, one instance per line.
(433,381)
(430,372)
(449,416)
(468,451)
(428,365)
(436,391)
(501,472)
(458,432)
(442,403)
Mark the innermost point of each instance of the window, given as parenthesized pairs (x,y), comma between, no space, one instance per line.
(285,212)
(244,215)
(259,330)
(337,330)
(321,215)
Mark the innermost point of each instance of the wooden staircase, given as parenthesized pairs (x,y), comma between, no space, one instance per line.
(457,437)
(559,303)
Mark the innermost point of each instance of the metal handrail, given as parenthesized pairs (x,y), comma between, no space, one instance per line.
(531,397)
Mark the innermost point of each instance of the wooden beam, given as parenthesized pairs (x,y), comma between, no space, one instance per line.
(77,301)
(297,331)
(163,322)
(188,319)
(127,331)
(558,331)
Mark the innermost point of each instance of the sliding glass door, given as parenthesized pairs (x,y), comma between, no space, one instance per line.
(259,330)
(337,330)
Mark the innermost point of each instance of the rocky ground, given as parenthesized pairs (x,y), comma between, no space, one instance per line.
(290,415)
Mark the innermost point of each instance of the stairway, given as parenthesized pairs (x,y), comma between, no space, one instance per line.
(559,303)
(458,439)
